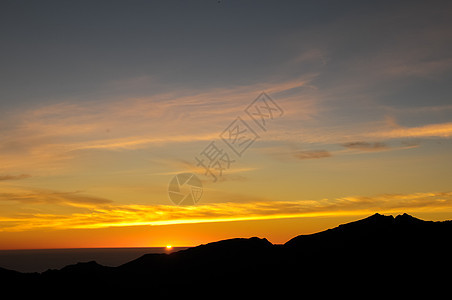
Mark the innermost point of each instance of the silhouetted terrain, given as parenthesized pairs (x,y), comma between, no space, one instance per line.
(378,254)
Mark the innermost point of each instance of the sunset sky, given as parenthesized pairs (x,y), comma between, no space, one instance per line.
(102,103)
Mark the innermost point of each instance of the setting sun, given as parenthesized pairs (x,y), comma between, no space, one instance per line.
(169,247)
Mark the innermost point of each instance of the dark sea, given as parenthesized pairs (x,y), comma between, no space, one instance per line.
(40,260)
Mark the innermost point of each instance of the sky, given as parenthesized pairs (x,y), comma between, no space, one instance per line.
(295,116)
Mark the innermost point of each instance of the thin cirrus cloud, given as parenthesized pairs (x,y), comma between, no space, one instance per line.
(100,214)
(442,130)
(41,196)
(138,118)
(312,154)
(366,146)
(48,138)
(14,177)
(370,131)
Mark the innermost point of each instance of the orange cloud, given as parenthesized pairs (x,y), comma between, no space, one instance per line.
(312,154)
(47,137)
(41,196)
(14,177)
(431,130)
(101,214)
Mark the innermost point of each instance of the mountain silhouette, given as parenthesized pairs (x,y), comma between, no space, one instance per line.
(379,253)
(375,231)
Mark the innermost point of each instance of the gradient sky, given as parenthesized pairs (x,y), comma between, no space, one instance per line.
(103,102)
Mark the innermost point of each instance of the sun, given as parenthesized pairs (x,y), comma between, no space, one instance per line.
(168,247)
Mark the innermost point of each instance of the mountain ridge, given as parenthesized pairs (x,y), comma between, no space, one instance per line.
(249,263)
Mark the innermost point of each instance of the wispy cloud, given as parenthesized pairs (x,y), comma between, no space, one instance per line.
(104,214)
(366,146)
(443,130)
(14,177)
(41,196)
(49,135)
(311,154)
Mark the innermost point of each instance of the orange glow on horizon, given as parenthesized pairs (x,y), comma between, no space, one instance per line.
(277,231)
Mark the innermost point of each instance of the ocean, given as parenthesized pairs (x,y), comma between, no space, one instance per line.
(40,260)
